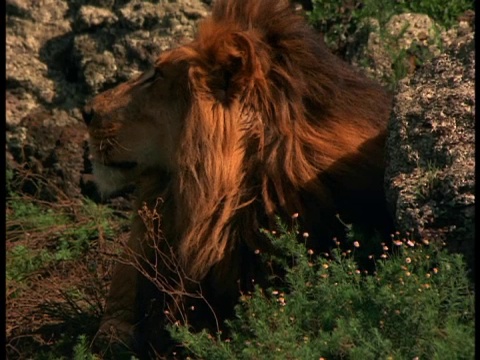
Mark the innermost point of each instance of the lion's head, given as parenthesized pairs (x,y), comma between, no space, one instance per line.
(136,126)
(250,119)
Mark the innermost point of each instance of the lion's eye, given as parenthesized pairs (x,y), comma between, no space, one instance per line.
(150,75)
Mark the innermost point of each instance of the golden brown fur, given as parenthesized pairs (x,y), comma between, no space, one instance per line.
(253,118)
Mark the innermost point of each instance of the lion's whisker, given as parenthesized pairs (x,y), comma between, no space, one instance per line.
(117,143)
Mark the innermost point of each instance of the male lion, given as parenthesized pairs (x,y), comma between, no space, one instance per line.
(252,119)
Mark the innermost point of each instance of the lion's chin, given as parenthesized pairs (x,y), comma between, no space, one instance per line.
(114,177)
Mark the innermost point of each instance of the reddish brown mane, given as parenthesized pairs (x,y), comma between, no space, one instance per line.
(271,111)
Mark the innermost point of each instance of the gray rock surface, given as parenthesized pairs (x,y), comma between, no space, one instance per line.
(431,147)
(59,54)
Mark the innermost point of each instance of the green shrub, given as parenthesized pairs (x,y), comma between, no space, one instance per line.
(81,351)
(445,12)
(417,304)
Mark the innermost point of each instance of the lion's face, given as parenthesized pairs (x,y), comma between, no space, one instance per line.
(134,128)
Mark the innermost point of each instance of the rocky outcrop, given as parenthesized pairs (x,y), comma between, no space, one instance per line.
(60,53)
(405,42)
(431,145)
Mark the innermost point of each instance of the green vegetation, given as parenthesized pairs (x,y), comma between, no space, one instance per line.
(70,238)
(342,17)
(445,12)
(428,182)
(417,304)
(339,20)
(51,249)
(81,350)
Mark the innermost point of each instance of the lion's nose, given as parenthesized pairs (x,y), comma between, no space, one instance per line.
(87,113)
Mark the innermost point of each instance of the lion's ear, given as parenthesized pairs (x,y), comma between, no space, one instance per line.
(235,67)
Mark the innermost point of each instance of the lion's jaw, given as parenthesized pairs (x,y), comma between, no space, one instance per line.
(116,170)
(136,148)
(110,179)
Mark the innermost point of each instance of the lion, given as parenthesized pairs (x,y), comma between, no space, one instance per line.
(253,119)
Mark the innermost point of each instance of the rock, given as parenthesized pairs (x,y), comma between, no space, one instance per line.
(430,150)
(47,150)
(136,34)
(138,15)
(405,43)
(18,8)
(95,66)
(59,54)
(90,17)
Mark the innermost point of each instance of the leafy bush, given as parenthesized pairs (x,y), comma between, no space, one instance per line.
(417,304)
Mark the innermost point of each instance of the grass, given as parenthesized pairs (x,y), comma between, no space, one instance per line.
(71,238)
(81,351)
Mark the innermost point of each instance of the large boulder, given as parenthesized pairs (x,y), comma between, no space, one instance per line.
(430,150)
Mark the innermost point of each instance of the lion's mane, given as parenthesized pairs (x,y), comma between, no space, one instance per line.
(277,125)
